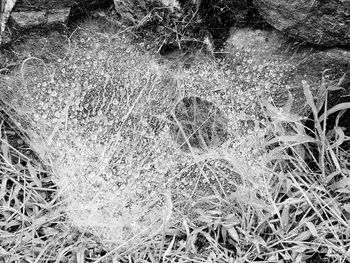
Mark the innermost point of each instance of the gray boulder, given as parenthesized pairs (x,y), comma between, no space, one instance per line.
(30,19)
(32,14)
(273,64)
(319,22)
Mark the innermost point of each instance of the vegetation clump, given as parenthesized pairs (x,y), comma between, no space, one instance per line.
(158,25)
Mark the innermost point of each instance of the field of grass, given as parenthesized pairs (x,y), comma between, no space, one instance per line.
(89,171)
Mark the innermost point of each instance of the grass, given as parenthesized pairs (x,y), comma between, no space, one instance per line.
(274,193)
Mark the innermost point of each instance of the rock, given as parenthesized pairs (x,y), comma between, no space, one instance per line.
(26,20)
(318,22)
(58,16)
(276,68)
(78,7)
(266,61)
(29,14)
(37,5)
(335,61)
(334,65)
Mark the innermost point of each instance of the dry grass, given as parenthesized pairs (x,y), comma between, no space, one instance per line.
(277,193)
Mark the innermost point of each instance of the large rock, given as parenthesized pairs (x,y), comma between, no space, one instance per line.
(36,5)
(39,5)
(30,19)
(333,64)
(30,14)
(319,22)
(270,61)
